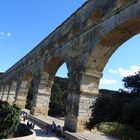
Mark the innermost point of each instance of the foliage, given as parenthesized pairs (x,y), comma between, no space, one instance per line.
(122,131)
(58,97)
(22,130)
(132,83)
(29,97)
(118,107)
(9,119)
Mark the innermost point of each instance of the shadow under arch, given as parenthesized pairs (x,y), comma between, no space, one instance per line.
(53,65)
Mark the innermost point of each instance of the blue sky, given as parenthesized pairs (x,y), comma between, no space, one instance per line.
(25,23)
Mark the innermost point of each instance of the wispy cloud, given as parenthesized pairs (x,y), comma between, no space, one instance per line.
(126,72)
(9,34)
(108,81)
(113,71)
(1,33)
(4,35)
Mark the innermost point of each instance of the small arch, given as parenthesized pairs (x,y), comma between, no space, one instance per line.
(53,65)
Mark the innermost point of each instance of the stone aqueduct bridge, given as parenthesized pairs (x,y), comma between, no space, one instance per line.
(85,42)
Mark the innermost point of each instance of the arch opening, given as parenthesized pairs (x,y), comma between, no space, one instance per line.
(58,95)
(110,42)
(122,63)
(50,95)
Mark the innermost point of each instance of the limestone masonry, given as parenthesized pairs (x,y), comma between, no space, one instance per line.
(85,42)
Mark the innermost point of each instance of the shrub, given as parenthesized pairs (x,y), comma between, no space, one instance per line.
(22,130)
(9,119)
(122,131)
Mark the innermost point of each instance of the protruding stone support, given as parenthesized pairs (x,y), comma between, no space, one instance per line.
(21,93)
(80,99)
(42,89)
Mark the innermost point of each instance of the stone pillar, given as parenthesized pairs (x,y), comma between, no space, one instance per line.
(41,88)
(83,90)
(1,90)
(5,93)
(21,93)
(12,93)
(8,92)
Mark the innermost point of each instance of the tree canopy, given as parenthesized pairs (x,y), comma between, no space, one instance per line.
(132,83)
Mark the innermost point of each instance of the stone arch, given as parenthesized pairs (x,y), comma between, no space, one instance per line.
(2,91)
(5,92)
(45,82)
(109,36)
(102,42)
(12,91)
(111,42)
(22,87)
(105,39)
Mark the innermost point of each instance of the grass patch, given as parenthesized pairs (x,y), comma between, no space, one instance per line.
(118,130)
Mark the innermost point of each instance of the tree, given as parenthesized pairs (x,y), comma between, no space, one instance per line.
(9,119)
(58,98)
(29,97)
(122,106)
(132,83)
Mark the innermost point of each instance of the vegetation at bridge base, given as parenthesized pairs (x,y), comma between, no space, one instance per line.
(29,97)
(120,108)
(58,98)
(119,130)
(9,119)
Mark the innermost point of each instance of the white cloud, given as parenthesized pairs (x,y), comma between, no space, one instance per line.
(1,33)
(108,81)
(9,34)
(126,72)
(113,71)
(4,35)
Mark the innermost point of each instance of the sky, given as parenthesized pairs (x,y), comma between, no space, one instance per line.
(25,23)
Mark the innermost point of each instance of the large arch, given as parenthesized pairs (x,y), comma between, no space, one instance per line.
(103,40)
(22,87)
(111,35)
(45,81)
(111,42)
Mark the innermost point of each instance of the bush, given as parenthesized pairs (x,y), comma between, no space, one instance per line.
(118,107)
(121,131)
(9,119)
(22,130)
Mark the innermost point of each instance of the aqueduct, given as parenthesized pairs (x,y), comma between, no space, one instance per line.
(85,42)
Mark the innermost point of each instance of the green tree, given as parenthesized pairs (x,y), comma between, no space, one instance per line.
(132,83)
(58,97)
(9,119)
(122,106)
(29,97)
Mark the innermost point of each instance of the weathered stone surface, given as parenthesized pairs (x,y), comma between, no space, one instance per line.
(85,41)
